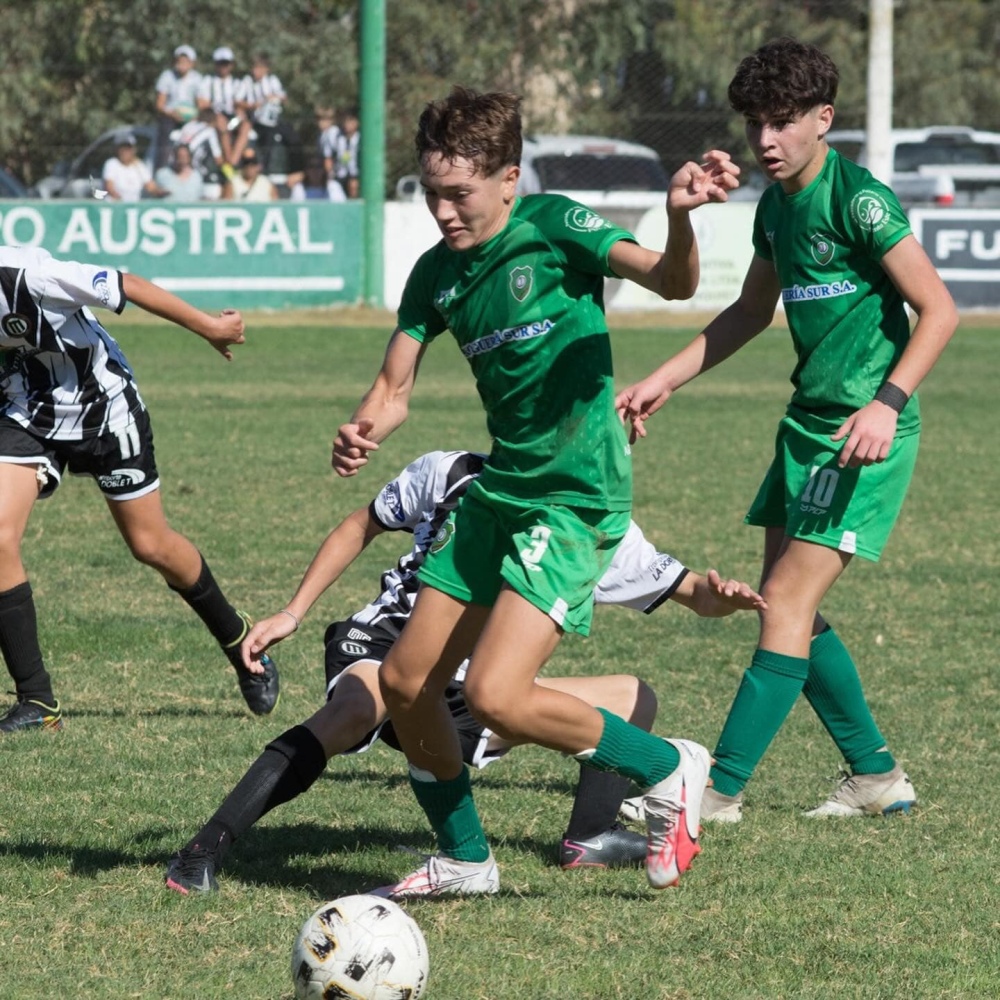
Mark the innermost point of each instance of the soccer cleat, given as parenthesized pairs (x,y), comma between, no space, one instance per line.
(719,808)
(615,848)
(440,875)
(673,811)
(260,691)
(29,713)
(191,870)
(869,795)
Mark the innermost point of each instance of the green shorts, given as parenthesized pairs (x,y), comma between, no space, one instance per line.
(551,555)
(851,510)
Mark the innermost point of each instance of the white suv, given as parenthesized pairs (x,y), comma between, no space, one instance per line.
(939,165)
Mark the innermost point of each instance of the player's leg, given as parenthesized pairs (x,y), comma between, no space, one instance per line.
(289,765)
(141,520)
(36,705)
(413,679)
(593,837)
(797,576)
(502,693)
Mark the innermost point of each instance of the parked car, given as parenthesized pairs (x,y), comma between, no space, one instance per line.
(81,177)
(11,186)
(938,165)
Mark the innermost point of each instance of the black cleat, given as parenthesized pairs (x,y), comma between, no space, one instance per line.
(28,713)
(615,848)
(191,870)
(260,691)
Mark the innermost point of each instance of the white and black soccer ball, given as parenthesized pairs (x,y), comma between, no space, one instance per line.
(361,948)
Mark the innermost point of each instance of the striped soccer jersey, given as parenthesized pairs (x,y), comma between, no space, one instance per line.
(62,375)
(221,91)
(422,496)
(265,95)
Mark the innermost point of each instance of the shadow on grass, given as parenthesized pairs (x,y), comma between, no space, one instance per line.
(494,779)
(166,711)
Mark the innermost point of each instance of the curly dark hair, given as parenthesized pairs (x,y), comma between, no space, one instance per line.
(783,78)
(484,129)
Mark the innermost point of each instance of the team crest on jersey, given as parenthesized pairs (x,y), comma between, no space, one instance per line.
(870,210)
(822,248)
(521,279)
(443,537)
(100,286)
(392,500)
(15,325)
(583,220)
(444,299)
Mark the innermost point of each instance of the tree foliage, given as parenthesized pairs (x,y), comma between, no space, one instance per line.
(652,70)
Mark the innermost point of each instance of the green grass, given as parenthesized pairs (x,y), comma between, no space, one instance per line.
(777,907)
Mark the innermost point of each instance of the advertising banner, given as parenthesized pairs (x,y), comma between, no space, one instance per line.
(273,255)
(965,248)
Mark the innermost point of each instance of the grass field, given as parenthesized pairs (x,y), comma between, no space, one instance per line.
(779,906)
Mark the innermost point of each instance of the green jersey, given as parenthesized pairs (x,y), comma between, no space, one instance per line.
(527,311)
(848,321)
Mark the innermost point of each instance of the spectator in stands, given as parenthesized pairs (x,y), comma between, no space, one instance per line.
(176,99)
(125,176)
(316,183)
(347,145)
(219,92)
(201,137)
(261,98)
(179,180)
(251,183)
(327,132)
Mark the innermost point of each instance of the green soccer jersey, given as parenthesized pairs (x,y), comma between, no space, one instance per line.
(848,321)
(527,311)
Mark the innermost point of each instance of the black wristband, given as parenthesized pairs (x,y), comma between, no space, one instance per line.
(892,396)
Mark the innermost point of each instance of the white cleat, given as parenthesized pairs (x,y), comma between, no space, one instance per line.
(673,813)
(440,875)
(719,808)
(870,795)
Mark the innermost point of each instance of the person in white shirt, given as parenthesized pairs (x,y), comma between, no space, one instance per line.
(179,180)
(250,184)
(125,176)
(176,98)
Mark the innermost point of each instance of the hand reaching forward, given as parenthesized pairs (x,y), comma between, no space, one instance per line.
(697,184)
(351,447)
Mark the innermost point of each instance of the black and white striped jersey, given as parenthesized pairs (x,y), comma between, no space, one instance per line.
(422,496)
(62,375)
(220,91)
(264,96)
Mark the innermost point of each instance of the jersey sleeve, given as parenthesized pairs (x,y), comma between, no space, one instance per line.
(761,244)
(164,82)
(639,576)
(584,237)
(70,285)
(874,219)
(417,316)
(403,501)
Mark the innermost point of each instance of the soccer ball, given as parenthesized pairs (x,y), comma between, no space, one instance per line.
(360,948)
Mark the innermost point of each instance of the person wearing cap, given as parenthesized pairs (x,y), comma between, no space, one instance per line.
(250,184)
(126,177)
(176,98)
(218,91)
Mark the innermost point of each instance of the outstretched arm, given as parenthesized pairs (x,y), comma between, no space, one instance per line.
(870,431)
(674,272)
(220,331)
(711,596)
(739,323)
(383,408)
(340,548)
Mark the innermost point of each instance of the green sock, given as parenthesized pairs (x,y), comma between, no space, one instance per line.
(632,752)
(766,696)
(452,813)
(833,688)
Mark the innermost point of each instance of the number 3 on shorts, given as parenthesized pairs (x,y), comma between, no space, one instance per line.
(532,555)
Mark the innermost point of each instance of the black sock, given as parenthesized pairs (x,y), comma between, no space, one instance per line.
(211,606)
(595,807)
(19,644)
(286,768)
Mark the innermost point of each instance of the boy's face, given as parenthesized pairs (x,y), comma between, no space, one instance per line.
(790,149)
(468,208)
